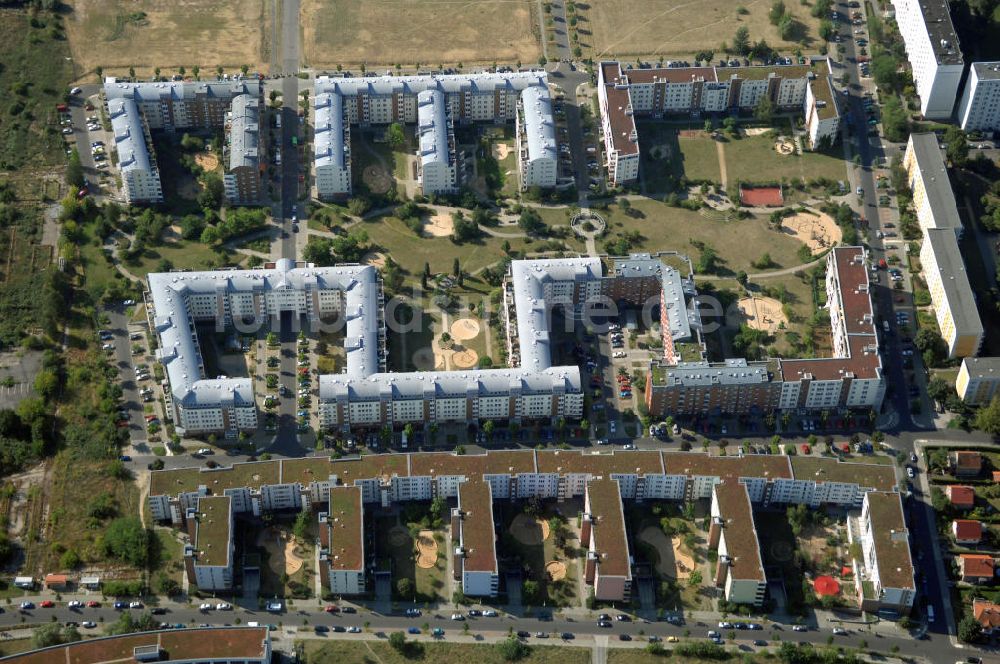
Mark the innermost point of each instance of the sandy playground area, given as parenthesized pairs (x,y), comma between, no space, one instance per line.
(501,150)
(816,230)
(376,179)
(207,160)
(528,531)
(439,225)
(464,359)
(427,549)
(284,552)
(761,313)
(465,329)
(555,570)
(784,147)
(672,560)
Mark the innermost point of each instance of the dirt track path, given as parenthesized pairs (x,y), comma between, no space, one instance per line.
(720,150)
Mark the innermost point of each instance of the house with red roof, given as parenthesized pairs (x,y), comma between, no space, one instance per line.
(987,614)
(965,463)
(967,531)
(961,496)
(976,568)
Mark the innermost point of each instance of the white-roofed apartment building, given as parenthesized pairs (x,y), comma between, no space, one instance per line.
(436,138)
(536,139)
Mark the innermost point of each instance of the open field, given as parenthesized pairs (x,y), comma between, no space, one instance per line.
(754,159)
(624,28)
(364,652)
(737,243)
(422,560)
(183,254)
(666,155)
(118,34)
(383,33)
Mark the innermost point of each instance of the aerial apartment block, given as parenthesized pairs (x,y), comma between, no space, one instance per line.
(852,378)
(978,380)
(735,485)
(535,134)
(625,93)
(208,558)
(341,102)
(436,135)
(244,159)
(137,108)
(934,54)
(883,576)
(979,109)
(940,256)
(136,158)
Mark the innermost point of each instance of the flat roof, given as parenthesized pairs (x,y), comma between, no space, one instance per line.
(699,464)
(825,469)
(237,476)
(929,163)
(940,30)
(638,462)
(605,501)
(472,466)
(891,539)
(943,244)
(988,71)
(212,536)
(346,520)
(982,368)
(739,531)
(475,499)
(219,643)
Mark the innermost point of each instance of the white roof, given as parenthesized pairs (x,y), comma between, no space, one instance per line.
(539,128)
(244,131)
(383,85)
(130,139)
(329,146)
(153,91)
(432,128)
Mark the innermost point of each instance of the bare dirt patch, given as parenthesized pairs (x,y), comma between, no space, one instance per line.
(382,33)
(207,160)
(673,561)
(555,570)
(427,549)
(465,329)
(118,34)
(377,179)
(465,358)
(816,230)
(439,225)
(784,147)
(501,150)
(529,531)
(760,313)
(375,259)
(284,552)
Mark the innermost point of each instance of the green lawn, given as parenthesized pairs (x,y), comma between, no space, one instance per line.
(430,583)
(410,350)
(665,155)
(737,243)
(754,159)
(700,157)
(183,254)
(368,652)
(411,252)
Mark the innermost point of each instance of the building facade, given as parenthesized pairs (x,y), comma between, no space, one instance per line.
(476,555)
(208,558)
(342,542)
(933,51)
(608,566)
(978,380)
(535,134)
(739,569)
(437,174)
(883,576)
(979,109)
(136,158)
(852,378)
(331,147)
(625,93)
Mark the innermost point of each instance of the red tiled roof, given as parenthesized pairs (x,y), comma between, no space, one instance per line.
(986,613)
(965,460)
(996,475)
(976,565)
(968,530)
(962,496)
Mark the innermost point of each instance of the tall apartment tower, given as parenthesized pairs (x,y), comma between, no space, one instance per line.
(935,58)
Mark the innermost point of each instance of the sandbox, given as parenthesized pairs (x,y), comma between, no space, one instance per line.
(762,313)
(501,150)
(207,161)
(465,358)
(555,570)
(465,329)
(816,230)
(284,553)
(375,259)
(439,225)
(529,531)
(376,179)
(427,549)
(673,561)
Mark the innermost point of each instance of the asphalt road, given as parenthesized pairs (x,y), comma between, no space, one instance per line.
(936,648)
(122,355)
(569,78)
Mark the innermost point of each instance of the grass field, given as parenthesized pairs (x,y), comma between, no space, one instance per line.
(644,27)
(666,155)
(430,583)
(182,255)
(754,159)
(118,34)
(737,243)
(430,32)
(366,652)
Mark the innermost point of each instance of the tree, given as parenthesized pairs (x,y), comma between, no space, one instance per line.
(53,634)
(74,170)
(165,585)
(404,587)
(969,630)
(741,41)
(456,267)
(531,592)
(826,29)
(895,122)
(395,135)
(301,527)
(488,428)
(244,69)
(695,579)
(777,12)
(513,649)
(464,229)
(196,71)
(939,389)
(214,191)
(765,110)
(988,417)
(531,222)
(128,541)
(957,146)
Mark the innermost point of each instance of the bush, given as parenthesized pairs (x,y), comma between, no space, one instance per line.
(513,649)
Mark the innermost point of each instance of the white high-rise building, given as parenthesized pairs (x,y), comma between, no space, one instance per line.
(932,48)
(437,144)
(980,106)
